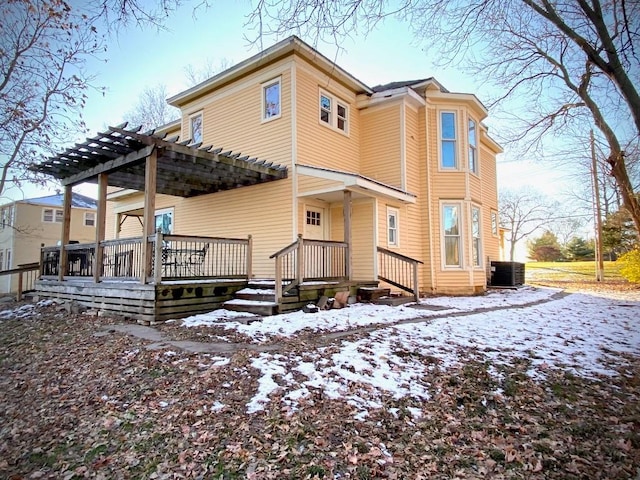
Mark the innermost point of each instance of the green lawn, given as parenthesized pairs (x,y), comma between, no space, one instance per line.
(568,271)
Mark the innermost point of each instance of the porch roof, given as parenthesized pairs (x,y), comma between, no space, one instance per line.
(184,169)
(355,182)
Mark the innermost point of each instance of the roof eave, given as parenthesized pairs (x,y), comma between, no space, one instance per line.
(280,49)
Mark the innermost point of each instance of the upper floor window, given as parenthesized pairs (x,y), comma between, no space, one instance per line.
(392,227)
(51,215)
(475,235)
(448,140)
(473,147)
(6,217)
(195,125)
(334,112)
(451,234)
(271,103)
(89,219)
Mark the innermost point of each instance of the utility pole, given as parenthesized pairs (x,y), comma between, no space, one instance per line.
(596,194)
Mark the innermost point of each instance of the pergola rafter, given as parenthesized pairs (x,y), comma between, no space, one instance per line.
(183,169)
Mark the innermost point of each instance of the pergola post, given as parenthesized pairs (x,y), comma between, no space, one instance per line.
(346,209)
(63,265)
(101,217)
(148,225)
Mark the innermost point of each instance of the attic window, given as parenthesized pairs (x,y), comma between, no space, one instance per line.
(333,112)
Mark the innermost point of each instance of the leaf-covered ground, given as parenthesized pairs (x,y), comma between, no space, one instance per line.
(78,403)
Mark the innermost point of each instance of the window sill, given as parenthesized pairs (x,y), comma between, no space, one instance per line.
(335,129)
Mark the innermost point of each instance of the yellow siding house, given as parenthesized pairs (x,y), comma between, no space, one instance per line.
(28,225)
(287,175)
(412,161)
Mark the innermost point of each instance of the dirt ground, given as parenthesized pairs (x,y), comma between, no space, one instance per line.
(78,403)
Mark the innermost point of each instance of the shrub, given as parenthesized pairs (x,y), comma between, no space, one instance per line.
(630,265)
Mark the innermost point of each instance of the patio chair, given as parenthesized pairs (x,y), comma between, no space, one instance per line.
(195,261)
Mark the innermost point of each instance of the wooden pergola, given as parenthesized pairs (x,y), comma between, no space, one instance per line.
(129,159)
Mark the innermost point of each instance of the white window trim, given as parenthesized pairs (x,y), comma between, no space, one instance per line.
(191,117)
(456,141)
(87,215)
(494,215)
(479,210)
(162,211)
(333,114)
(476,150)
(392,211)
(54,215)
(443,253)
(263,91)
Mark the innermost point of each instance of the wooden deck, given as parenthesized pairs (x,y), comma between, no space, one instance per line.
(144,302)
(173,276)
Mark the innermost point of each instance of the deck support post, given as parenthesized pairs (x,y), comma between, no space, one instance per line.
(148,226)
(101,217)
(249,258)
(300,260)
(63,265)
(346,209)
(157,258)
(278,280)
(416,288)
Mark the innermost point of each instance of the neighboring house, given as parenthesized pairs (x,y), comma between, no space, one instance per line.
(27,225)
(350,185)
(412,162)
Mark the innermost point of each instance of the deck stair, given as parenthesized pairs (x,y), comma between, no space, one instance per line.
(258,298)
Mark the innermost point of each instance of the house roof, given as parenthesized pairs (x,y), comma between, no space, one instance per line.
(57,200)
(183,169)
(271,54)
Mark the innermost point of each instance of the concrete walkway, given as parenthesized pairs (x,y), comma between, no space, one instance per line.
(159,340)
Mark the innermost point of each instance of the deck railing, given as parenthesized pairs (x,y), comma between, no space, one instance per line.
(308,260)
(27,275)
(399,270)
(173,257)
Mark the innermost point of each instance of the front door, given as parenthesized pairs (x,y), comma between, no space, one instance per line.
(316,256)
(315,223)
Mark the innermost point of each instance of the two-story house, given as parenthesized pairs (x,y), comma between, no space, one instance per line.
(404,170)
(27,225)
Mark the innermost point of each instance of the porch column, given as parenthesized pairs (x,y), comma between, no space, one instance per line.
(148,226)
(63,265)
(346,213)
(101,216)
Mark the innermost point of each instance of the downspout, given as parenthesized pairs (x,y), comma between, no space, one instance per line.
(294,152)
(434,283)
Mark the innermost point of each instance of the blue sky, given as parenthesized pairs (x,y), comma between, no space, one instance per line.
(144,58)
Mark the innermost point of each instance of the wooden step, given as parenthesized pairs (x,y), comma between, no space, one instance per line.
(258,294)
(252,306)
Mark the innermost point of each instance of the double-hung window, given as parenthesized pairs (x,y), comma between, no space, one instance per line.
(333,112)
(475,236)
(448,158)
(51,215)
(451,234)
(392,227)
(473,147)
(271,100)
(89,219)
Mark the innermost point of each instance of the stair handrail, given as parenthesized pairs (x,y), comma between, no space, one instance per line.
(278,256)
(413,263)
